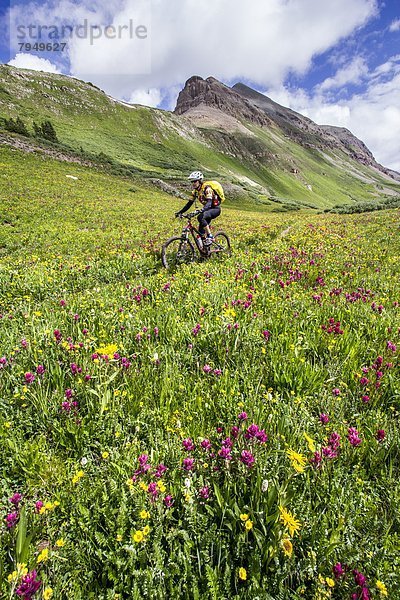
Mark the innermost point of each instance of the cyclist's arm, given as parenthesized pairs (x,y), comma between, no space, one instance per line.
(186,207)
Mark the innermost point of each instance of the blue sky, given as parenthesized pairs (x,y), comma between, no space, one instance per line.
(336,61)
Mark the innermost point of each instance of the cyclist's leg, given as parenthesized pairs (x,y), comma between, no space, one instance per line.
(203,222)
(211,214)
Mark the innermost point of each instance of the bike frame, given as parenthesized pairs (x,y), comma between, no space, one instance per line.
(190,228)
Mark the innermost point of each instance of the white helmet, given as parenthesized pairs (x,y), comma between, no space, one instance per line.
(196,176)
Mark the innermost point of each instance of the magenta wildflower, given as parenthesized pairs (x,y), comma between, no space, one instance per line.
(40,369)
(364,381)
(11,519)
(262,436)
(266,334)
(160,470)
(204,492)
(247,458)
(188,444)
(68,393)
(235,432)
(353,436)
(338,570)
(225,453)
(380,435)
(196,329)
(29,586)
(15,499)
(152,490)
(242,416)
(205,444)
(227,443)
(251,432)
(359,578)
(329,452)
(316,460)
(207,369)
(324,419)
(39,504)
(365,398)
(391,346)
(336,392)
(217,372)
(188,464)
(29,377)
(168,501)
(334,440)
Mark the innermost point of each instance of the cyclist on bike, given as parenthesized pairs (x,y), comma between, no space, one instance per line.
(211,201)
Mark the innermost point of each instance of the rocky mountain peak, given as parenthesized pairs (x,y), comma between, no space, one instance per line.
(213,93)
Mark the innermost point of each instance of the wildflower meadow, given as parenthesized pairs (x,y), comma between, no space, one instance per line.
(226,430)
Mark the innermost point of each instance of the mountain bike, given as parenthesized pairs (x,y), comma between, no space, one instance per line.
(182,250)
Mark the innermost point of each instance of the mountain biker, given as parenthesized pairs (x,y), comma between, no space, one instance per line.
(210,200)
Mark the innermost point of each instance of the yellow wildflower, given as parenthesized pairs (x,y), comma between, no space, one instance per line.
(48,593)
(105,455)
(144,514)
(287,547)
(129,482)
(289,520)
(43,556)
(143,486)
(138,536)
(146,530)
(60,543)
(330,582)
(77,476)
(295,456)
(310,442)
(381,587)
(107,350)
(242,574)
(244,517)
(119,538)
(249,525)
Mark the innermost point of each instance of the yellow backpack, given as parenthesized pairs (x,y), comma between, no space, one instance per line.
(217,188)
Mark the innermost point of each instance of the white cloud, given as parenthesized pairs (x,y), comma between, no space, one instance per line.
(229,39)
(352,73)
(30,61)
(373,116)
(150,97)
(394,25)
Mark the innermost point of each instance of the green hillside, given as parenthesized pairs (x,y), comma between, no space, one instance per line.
(155,143)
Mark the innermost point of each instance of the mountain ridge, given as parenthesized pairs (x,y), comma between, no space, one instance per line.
(266,112)
(282,163)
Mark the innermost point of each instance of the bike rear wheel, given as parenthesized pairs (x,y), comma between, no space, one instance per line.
(177,251)
(221,244)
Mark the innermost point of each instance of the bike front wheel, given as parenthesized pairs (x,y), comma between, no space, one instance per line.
(177,251)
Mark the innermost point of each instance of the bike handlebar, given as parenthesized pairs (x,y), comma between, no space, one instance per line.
(189,215)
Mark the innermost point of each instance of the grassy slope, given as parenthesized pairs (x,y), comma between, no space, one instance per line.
(159,143)
(52,229)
